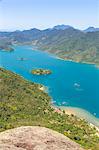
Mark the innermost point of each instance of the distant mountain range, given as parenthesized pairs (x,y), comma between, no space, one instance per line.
(61,40)
(62,27)
(91,29)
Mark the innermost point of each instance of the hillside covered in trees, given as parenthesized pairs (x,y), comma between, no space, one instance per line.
(64,41)
(23,103)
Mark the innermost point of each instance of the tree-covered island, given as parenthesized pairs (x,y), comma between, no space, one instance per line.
(41,71)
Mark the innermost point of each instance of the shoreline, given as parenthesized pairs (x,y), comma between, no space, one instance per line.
(79,112)
(82,62)
(57,57)
(92,121)
(44,88)
(82,114)
(71,60)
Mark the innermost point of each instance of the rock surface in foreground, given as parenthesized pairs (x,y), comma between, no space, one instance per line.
(35,138)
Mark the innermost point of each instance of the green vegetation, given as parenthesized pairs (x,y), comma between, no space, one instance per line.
(69,43)
(73,45)
(41,71)
(5,44)
(23,103)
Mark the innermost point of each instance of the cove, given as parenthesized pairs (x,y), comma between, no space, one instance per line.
(70,84)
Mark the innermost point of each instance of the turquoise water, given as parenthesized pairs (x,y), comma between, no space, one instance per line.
(70,84)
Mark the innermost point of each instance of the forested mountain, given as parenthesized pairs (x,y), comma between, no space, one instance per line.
(62,40)
(91,29)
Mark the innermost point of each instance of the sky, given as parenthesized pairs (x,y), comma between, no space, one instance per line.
(26,14)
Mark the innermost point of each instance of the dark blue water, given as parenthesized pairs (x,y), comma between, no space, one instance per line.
(70,84)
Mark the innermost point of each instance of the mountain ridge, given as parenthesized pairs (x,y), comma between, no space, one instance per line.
(91,29)
(59,26)
(64,41)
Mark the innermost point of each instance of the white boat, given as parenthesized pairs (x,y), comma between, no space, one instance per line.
(77,85)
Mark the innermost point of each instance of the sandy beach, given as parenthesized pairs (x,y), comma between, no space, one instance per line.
(44,88)
(81,113)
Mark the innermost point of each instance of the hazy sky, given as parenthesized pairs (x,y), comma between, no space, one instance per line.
(25,14)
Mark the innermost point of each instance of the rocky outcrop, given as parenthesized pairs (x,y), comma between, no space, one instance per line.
(35,138)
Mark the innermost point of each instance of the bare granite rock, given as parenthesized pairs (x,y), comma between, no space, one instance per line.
(35,138)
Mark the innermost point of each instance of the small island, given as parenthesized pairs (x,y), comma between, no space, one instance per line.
(22,59)
(41,71)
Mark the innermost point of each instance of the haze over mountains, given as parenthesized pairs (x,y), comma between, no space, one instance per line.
(63,27)
(91,29)
(62,40)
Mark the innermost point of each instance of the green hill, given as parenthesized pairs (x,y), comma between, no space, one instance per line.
(5,44)
(63,41)
(72,44)
(23,103)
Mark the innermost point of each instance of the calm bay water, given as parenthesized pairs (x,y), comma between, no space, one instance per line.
(70,84)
